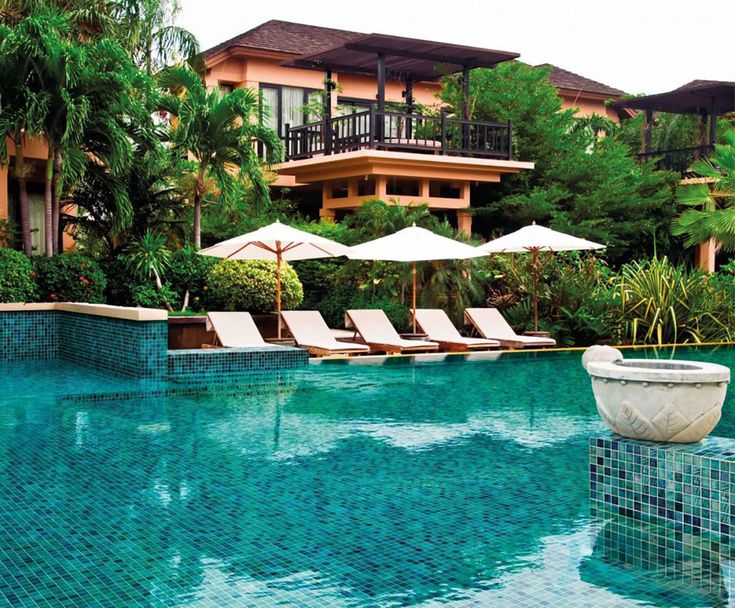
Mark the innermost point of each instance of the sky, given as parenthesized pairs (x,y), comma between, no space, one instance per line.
(642,46)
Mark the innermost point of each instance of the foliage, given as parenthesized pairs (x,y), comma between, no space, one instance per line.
(575,298)
(250,285)
(710,212)
(661,303)
(148,296)
(189,272)
(149,256)
(219,131)
(69,278)
(584,184)
(16,277)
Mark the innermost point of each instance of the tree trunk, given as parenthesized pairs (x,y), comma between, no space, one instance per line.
(159,287)
(25,211)
(56,185)
(48,232)
(199,186)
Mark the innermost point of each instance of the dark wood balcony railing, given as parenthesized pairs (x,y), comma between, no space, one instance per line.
(400,131)
(678,159)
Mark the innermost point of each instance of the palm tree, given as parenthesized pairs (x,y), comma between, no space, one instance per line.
(711,202)
(150,35)
(219,131)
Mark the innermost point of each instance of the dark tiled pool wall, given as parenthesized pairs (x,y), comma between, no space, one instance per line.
(29,335)
(688,485)
(131,348)
(206,364)
(137,349)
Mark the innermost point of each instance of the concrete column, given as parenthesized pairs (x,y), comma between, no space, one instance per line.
(464,222)
(381,188)
(4,204)
(704,255)
(327,215)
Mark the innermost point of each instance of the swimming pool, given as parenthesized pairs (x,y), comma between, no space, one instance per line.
(456,483)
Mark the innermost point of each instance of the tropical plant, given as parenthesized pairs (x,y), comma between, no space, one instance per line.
(588,185)
(250,285)
(187,277)
(150,35)
(220,132)
(710,202)
(662,303)
(69,277)
(16,277)
(148,257)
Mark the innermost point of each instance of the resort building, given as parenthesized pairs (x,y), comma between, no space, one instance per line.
(360,118)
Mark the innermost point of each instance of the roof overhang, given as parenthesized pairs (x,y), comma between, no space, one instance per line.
(694,98)
(405,58)
(362,163)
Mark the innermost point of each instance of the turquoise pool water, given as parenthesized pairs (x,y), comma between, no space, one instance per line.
(458,483)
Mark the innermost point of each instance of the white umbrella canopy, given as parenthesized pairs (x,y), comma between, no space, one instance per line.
(539,238)
(532,239)
(276,242)
(414,244)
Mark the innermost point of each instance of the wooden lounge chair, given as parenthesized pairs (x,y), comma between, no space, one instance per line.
(235,330)
(436,324)
(490,324)
(311,332)
(378,333)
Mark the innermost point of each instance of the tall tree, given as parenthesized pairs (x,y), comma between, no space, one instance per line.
(149,33)
(582,183)
(710,203)
(220,132)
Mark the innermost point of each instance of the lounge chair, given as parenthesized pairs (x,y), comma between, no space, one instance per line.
(378,333)
(235,330)
(436,324)
(490,324)
(311,332)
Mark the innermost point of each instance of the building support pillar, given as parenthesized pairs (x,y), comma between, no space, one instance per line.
(380,119)
(704,255)
(464,222)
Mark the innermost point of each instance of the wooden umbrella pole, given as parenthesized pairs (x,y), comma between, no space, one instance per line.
(534,263)
(278,287)
(413,272)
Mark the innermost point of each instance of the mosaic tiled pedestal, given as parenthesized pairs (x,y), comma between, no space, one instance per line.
(668,509)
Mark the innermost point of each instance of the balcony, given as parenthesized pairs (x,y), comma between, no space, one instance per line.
(678,159)
(400,132)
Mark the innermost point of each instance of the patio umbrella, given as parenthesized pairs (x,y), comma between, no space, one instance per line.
(532,239)
(276,242)
(414,245)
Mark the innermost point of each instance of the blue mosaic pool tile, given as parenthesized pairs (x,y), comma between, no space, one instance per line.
(206,364)
(131,348)
(692,485)
(29,335)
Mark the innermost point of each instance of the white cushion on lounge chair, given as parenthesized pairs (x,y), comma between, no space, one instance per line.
(309,329)
(438,326)
(235,329)
(491,324)
(375,328)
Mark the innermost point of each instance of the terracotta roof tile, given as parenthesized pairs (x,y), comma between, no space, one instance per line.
(564,79)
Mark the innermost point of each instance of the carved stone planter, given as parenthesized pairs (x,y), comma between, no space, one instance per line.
(657,400)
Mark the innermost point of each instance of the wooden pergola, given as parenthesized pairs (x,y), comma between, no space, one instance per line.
(403,59)
(708,98)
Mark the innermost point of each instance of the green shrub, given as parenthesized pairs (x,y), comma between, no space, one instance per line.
(148,297)
(397,313)
(69,278)
(120,281)
(250,285)
(16,277)
(189,271)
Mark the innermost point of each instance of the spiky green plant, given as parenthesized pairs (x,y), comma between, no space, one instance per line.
(710,203)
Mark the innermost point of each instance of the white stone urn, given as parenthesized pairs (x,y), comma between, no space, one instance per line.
(656,400)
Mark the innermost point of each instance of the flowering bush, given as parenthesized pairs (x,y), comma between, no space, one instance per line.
(251,286)
(16,277)
(69,278)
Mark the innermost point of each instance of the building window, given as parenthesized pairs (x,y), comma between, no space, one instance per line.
(282,105)
(226,87)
